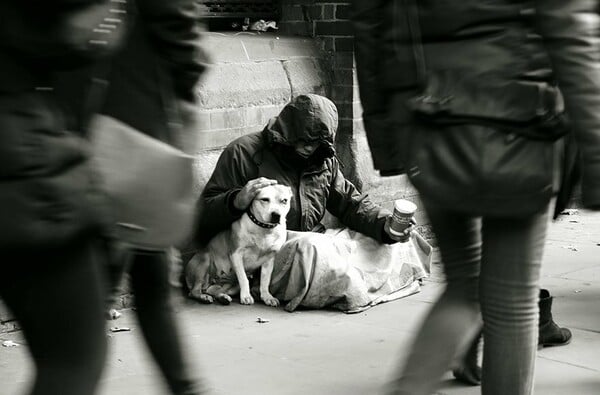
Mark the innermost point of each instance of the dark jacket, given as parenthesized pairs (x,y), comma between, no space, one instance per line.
(318,184)
(490,45)
(49,193)
(158,67)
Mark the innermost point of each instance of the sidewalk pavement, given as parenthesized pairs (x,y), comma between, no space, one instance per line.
(329,353)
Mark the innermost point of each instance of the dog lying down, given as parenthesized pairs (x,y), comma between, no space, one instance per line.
(221,269)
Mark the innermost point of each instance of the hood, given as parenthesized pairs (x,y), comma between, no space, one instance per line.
(307,117)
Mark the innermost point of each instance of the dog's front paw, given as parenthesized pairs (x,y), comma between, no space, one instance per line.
(224,299)
(205,298)
(270,300)
(246,299)
(201,297)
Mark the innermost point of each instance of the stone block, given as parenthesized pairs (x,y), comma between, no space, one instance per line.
(244,47)
(308,76)
(235,118)
(223,48)
(217,120)
(268,112)
(204,166)
(241,85)
(213,139)
(253,117)
(269,47)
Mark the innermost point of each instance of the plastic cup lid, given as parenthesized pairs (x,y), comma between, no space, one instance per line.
(405,206)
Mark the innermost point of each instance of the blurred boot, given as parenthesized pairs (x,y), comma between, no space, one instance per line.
(469,371)
(550,333)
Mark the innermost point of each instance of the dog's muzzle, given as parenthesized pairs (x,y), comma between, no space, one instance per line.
(275,218)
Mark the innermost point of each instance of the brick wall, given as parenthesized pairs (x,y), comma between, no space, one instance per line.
(328,22)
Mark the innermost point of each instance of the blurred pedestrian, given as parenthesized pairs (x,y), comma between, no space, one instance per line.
(50,209)
(463,98)
(151,86)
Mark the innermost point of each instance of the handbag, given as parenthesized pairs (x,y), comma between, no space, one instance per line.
(149,185)
(481,146)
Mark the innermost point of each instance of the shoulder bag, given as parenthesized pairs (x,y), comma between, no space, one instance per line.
(481,146)
(149,183)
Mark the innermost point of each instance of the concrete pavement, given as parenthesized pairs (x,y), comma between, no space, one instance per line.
(330,353)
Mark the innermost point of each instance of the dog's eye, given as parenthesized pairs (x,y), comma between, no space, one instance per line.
(284,201)
(265,200)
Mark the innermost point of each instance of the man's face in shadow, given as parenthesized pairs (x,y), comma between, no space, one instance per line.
(306,148)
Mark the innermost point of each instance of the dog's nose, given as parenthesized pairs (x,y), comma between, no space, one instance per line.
(275,217)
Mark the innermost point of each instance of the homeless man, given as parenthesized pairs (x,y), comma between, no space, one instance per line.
(296,148)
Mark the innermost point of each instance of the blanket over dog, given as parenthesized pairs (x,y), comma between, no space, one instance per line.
(347,270)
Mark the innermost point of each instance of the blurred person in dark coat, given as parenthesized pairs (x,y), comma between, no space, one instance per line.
(151,87)
(441,83)
(51,213)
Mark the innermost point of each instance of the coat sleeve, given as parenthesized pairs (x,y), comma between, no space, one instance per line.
(354,209)
(175,28)
(571,33)
(386,75)
(216,212)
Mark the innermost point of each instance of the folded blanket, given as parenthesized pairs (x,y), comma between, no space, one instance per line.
(347,270)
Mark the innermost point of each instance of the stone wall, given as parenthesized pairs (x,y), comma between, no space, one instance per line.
(252,77)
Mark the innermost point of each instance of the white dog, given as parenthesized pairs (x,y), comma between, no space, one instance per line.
(221,269)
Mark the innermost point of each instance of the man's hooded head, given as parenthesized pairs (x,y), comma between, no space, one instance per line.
(307,118)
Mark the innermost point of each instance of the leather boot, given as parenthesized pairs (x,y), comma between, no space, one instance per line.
(550,334)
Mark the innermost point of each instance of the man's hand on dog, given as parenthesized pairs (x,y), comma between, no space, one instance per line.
(249,191)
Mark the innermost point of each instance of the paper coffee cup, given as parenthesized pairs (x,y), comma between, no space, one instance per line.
(401,218)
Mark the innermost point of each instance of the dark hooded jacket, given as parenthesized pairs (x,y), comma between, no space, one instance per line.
(317,182)
(528,46)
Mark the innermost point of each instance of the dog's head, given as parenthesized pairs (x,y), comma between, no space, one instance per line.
(272,204)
